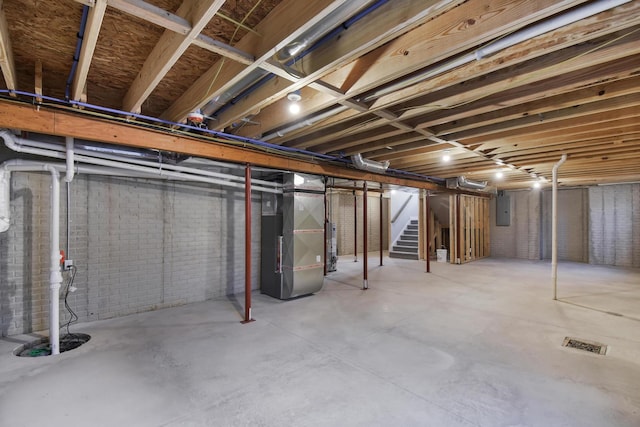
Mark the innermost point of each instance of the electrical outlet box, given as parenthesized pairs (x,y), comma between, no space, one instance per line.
(68,263)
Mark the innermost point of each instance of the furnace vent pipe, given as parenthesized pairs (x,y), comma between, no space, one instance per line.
(554,226)
(369,165)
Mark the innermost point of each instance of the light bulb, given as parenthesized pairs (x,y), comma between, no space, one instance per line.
(446,156)
(499,174)
(294,108)
(536,184)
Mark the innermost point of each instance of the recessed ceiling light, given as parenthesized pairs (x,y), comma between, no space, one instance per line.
(446,155)
(294,108)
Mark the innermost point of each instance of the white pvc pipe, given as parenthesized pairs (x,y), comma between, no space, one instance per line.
(554,226)
(31,147)
(55,275)
(37,147)
(69,150)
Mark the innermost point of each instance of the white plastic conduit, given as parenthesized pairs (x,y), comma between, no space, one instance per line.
(70,159)
(554,226)
(55,274)
(122,163)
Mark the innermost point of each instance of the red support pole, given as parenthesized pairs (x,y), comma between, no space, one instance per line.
(381,230)
(326,224)
(247,244)
(428,244)
(355,226)
(365,283)
(460,252)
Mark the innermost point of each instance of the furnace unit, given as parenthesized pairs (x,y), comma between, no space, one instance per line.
(292,262)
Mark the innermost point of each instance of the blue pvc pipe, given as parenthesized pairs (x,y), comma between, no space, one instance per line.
(76,55)
(251,141)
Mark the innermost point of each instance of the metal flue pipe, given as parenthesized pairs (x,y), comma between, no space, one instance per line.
(554,226)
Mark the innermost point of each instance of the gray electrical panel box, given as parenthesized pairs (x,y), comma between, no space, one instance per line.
(503,209)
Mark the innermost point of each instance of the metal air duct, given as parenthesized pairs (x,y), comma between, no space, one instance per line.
(369,165)
(462,182)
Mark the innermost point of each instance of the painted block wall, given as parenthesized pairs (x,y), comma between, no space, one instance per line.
(573,224)
(521,239)
(341,212)
(598,225)
(614,223)
(139,245)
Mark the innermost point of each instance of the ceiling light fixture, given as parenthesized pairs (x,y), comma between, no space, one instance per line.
(499,175)
(536,184)
(294,98)
(446,155)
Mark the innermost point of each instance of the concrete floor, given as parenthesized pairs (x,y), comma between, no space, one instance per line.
(472,345)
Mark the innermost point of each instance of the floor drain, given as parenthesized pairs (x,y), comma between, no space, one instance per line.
(41,347)
(591,347)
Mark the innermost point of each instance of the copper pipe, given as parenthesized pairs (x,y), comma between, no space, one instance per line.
(247,244)
(428,245)
(365,284)
(381,230)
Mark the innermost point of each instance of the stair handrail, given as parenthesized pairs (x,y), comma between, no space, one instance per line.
(404,205)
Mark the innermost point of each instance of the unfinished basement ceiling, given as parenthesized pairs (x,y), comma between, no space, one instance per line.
(401,81)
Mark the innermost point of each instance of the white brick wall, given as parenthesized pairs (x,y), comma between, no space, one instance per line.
(614,225)
(341,206)
(599,225)
(573,224)
(138,245)
(521,239)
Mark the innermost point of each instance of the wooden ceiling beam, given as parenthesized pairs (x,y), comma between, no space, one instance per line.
(170,21)
(290,19)
(430,43)
(168,50)
(7,63)
(543,119)
(568,123)
(589,94)
(595,26)
(91,33)
(363,36)
(43,120)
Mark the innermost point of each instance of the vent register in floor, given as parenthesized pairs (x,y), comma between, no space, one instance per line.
(592,347)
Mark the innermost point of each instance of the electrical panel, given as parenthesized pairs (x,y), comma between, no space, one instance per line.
(503,209)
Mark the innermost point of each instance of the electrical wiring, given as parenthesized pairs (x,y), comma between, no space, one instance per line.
(73,317)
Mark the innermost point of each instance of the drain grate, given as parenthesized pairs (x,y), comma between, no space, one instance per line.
(590,346)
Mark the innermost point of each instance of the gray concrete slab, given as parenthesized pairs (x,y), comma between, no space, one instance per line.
(471,345)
